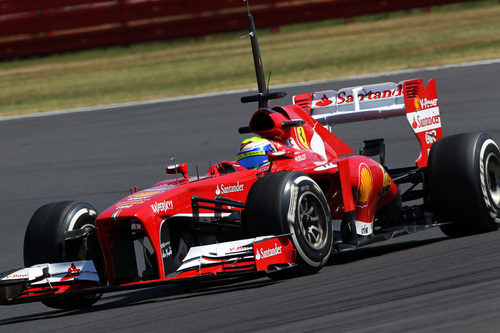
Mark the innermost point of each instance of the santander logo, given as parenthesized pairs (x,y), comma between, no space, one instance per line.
(425,119)
(224,189)
(342,97)
(324,101)
(263,254)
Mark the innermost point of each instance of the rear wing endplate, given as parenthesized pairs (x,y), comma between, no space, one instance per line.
(380,101)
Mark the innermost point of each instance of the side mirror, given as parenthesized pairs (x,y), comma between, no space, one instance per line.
(292,123)
(178,169)
(280,155)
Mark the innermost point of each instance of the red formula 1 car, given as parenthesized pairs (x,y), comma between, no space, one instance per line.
(307,196)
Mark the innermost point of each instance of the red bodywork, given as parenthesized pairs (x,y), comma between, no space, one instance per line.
(165,214)
(350,183)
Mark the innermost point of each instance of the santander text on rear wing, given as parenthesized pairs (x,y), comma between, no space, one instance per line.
(412,98)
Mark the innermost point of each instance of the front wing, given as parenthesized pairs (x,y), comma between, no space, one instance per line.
(224,260)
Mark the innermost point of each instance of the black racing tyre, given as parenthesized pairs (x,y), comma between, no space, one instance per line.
(463,183)
(43,242)
(291,202)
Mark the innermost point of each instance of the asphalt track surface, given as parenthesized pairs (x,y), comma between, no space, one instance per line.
(423,282)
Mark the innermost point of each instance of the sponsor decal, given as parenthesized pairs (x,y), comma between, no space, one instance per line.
(428,103)
(326,166)
(425,119)
(324,101)
(294,190)
(386,184)
(162,207)
(430,137)
(263,254)
(72,273)
(239,248)
(224,189)
(124,205)
(136,199)
(301,135)
(365,185)
(128,202)
(291,143)
(342,97)
(145,195)
(251,153)
(416,101)
(166,249)
(364,228)
(16,276)
(419,122)
(300,158)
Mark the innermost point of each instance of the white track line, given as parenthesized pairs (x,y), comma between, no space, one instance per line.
(291,85)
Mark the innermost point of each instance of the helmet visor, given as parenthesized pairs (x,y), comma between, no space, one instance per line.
(253,162)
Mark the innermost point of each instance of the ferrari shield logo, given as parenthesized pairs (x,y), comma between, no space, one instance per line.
(301,135)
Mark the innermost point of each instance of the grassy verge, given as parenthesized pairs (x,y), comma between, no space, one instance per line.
(324,50)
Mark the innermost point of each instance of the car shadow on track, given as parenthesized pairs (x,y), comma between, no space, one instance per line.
(172,292)
(165,293)
(345,257)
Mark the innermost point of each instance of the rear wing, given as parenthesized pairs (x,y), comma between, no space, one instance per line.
(379,101)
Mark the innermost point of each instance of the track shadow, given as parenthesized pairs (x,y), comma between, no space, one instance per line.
(157,294)
(173,292)
(361,253)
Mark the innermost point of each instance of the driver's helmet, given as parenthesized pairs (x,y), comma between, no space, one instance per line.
(253,152)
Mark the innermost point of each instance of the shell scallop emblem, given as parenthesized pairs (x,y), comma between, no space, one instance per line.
(386,186)
(365,185)
(417,103)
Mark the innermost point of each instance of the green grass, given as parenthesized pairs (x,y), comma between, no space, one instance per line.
(313,51)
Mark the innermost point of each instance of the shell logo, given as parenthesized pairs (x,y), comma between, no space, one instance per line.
(417,103)
(386,185)
(365,185)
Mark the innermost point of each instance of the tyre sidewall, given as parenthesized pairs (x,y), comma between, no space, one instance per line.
(490,210)
(43,243)
(295,187)
(45,233)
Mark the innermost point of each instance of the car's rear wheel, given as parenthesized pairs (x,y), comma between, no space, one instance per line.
(43,243)
(463,182)
(291,202)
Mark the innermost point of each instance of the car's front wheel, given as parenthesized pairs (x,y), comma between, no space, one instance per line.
(43,243)
(292,203)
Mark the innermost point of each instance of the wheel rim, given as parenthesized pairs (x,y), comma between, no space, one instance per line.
(312,220)
(493,178)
